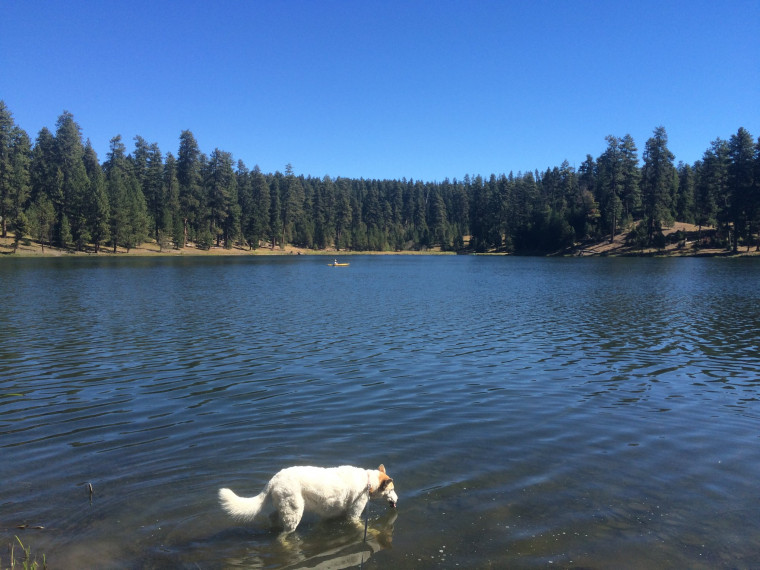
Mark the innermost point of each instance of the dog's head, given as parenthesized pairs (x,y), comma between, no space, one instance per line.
(384,488)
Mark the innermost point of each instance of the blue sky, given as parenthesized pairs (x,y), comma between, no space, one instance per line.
(421,90)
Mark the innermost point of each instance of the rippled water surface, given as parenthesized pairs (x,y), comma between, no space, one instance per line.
(594,413)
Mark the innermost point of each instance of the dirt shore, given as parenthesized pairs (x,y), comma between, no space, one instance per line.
(686,246)
(150,249)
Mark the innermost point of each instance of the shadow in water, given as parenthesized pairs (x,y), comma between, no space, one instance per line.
(326,549)
(323,545)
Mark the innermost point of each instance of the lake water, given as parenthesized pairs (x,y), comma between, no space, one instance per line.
(589,413)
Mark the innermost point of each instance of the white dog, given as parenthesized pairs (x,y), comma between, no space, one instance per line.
(333,492)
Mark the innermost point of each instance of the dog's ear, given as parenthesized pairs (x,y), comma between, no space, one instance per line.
(381,468)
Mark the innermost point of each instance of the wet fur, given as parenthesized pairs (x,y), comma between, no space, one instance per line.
(326,492)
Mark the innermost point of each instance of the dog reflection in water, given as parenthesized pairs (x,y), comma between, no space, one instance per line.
(331,544)
(330,493)
(324,548)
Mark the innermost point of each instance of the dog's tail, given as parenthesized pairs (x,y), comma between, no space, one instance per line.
(245,508)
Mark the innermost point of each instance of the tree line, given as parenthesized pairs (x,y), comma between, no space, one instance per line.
(58,192)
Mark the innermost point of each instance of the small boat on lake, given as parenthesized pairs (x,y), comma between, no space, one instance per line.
(336,264)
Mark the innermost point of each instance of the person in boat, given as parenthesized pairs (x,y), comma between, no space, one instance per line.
(336,262)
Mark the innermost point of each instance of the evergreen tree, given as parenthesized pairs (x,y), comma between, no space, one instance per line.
(320,212)
(139,161)
(137,215)
(65,237)
(741,184)
(585,207)
(6,150)
(631,191)
(42,220)
(755,219)
(74,182)
(685,199)
(261,202)
(20,228)
(711,192)
(275,215)
(343,214)
(610,184)
(292,206)
(117,175)
(659,181)
(15,158)
(154,190)
(189,178)
(221,188)
(44,169)
(440,231)
(245,200)
(421,229)
(128,209)
(173,218)
(96,203)
(20,179)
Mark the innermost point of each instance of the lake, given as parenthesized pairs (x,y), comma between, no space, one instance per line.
(568,413)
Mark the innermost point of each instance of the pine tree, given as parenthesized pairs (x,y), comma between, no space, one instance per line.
(439,219)
(15,180)
(275,215)
(585,207)
(610,184)
(711,191)
(6,149)
(128,210)
(155,194)
(189,166)
(261,203)
(245,201)
(42,220)
(96,205)
(173,219)
(685,198)
(221,188)
(631,191)
(292,205)
(20,228)
(139,161)
(343,216)
(659,182)
(756,195)
(137,215)
(74,182)
(44,169)
(741,182)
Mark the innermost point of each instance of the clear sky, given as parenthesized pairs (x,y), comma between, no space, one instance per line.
(385,89)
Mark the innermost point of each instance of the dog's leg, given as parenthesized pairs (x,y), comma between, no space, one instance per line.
(356,510)
(291,511)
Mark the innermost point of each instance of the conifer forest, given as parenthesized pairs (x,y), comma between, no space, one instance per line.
(56,191)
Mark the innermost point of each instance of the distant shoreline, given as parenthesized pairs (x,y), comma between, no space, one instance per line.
(617,248)
(151,249)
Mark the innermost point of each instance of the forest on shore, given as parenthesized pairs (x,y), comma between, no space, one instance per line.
(56,191)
